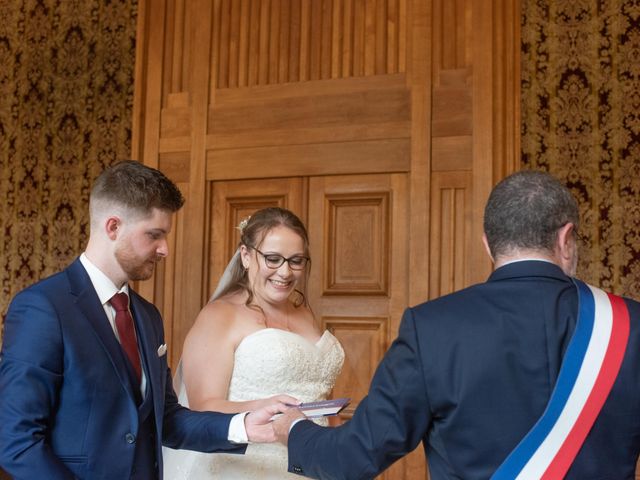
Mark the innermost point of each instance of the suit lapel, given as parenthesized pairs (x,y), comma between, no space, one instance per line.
(89,304)
(148,340)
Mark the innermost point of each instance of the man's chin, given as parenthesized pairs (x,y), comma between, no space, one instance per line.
(142,274)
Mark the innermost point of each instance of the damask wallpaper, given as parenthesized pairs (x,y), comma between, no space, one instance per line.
(66,96)
(581,122)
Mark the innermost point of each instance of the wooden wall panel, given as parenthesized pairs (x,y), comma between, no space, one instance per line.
(450,232)
(313,159)
(357,244)
(176,74)
(297,130)
(371,116)
(200,14)
(165,285)
(452,35)
(364,339)
(173,50)
(175,122)
(267,42)
(419,64)
(452,104)
(175,165)
(313,105)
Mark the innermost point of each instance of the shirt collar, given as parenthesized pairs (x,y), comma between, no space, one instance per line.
(102,284)
(533,267)
(528,259)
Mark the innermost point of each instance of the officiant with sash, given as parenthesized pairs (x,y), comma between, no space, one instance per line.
(532,374)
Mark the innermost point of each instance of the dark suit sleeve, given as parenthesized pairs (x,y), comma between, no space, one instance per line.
(191,430)
(388,423)
(30,379)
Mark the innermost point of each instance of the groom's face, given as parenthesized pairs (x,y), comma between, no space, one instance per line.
(142,244)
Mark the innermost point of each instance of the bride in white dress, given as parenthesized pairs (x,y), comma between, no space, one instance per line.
(254,343)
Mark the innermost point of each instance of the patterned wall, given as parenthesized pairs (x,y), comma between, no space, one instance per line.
(66,96)
(581,122)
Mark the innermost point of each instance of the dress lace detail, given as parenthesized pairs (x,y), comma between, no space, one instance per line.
(267,362)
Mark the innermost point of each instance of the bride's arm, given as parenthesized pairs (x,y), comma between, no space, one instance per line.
(207,362)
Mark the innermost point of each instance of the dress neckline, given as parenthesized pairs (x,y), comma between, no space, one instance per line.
(265,330)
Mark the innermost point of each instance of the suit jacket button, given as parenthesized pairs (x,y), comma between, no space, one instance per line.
(297,469)
(130,438)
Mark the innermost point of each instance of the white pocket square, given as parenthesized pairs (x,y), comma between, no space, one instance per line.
(162,349)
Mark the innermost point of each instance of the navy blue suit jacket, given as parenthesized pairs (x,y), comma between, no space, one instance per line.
(469,375)
(67,407)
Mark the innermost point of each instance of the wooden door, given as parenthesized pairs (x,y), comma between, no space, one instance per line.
(358,286)
(358,228)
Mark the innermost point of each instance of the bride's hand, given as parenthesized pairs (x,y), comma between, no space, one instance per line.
(276,399)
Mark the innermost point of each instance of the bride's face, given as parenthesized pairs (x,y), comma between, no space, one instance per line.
(275,285)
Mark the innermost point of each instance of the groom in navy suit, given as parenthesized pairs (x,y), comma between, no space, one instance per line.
(471,373)
(85,390)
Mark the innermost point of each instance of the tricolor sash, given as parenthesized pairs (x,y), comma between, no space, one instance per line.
(588,371)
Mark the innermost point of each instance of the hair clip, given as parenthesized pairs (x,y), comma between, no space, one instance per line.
(243,224)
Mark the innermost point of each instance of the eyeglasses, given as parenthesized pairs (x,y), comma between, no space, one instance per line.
(273,260)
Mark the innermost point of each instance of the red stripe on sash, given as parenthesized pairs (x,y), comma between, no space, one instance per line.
(604,382)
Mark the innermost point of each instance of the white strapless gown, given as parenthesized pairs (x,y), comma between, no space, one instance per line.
(267,362)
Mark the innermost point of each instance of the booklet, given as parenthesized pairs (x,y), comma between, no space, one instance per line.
(323,408)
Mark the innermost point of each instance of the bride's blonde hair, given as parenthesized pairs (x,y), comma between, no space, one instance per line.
(253,231)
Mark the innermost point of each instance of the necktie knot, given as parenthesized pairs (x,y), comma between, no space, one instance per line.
(120,302)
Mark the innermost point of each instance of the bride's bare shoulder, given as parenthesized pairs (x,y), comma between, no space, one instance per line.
(220,320)
(227,312)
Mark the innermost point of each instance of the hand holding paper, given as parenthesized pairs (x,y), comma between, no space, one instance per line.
(283,422)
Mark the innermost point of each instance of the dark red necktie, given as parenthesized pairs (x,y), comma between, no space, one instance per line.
(126,330)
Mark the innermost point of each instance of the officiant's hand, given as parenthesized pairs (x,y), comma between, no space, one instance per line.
(282,424)
(258,423)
